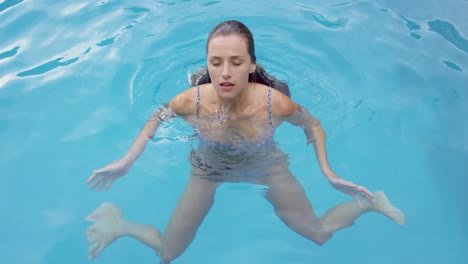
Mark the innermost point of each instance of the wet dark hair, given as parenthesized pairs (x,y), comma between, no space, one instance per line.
(230,27)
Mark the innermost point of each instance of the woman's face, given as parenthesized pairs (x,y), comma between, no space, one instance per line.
(229,65)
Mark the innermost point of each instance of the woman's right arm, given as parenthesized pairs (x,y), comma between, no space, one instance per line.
(182,104)
(146,134)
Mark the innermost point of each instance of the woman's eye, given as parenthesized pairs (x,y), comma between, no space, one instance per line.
(237,63)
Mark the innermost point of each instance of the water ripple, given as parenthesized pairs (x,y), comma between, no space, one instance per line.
(452,65)
(106,42)
(415,36)
(48,66)
(346,3)
(23,23)
(211,3)
(136,9)
(73,8)
(8,4)
(324,21)
(410,24)
(449,32)
(9,53)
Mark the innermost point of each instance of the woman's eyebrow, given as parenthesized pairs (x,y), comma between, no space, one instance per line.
(232,57)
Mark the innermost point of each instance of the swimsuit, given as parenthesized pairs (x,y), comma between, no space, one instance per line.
(235,159)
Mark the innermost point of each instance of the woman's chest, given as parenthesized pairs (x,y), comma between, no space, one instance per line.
(235,128)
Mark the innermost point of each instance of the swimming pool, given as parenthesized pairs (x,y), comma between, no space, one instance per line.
(388,79)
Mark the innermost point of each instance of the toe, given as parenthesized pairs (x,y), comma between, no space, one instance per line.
(94,216)
(92,251)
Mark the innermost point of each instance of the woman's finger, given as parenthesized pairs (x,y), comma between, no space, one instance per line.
(91,178)
(358,201)
(96,182)
(368,195)
(103,183)
(110,184)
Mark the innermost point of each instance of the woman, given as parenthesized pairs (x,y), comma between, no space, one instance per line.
(234,111)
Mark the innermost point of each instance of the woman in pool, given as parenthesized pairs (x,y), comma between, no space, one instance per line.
(234,108)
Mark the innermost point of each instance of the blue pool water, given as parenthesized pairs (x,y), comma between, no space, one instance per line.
(388,79)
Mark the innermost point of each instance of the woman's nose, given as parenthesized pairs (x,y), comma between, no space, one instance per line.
(226,73)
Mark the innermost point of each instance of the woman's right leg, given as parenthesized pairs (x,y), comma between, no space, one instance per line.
(189,213)
(193,206)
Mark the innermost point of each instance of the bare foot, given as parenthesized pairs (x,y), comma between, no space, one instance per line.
(384,206)
(109,225)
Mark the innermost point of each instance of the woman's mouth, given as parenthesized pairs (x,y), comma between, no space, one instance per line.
(226,86)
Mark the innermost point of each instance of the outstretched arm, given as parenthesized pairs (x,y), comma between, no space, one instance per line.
(147,133)
(287,110)
(316,135)
(105,176)
(182,104)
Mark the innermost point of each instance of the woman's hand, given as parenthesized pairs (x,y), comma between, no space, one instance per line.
(352,189)
(108,174)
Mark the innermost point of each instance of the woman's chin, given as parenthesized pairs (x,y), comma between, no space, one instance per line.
(227,93)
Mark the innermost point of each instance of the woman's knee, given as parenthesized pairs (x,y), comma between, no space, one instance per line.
(297,219)
(321,237)
(176,241)
(169,255)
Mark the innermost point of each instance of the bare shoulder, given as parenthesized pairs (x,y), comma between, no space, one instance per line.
(281,104)
(184,102)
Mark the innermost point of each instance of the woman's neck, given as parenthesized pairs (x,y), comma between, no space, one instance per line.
(237,104)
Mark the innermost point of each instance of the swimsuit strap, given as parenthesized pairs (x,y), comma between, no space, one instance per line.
(197,114)
(269,108)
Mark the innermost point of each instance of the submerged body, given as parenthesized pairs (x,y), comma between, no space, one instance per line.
(235,147)
(235,119)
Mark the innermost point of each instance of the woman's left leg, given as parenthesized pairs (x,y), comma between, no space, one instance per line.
(291,205)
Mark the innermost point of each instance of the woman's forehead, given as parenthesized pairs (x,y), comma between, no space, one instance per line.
(230,45)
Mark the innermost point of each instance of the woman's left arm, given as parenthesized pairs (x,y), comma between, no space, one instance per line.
(316,135)
(287,110)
